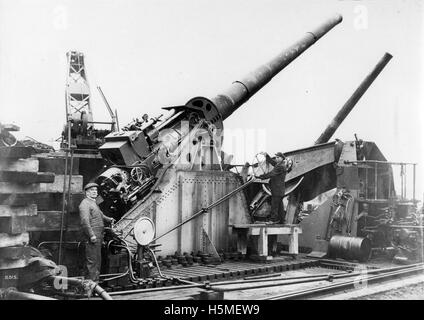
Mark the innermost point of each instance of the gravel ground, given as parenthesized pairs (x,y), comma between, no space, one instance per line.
(412,292)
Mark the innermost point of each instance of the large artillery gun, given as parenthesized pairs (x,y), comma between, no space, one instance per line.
(168,169)
(341,169)
(187,136)
(165,182)
(361,214)
(313,166)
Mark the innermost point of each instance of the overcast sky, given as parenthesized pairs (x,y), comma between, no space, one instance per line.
(149,54)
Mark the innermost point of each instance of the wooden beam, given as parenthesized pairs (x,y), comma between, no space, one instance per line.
(51,221)
(43,221)
(9,278)
(294,242)
(12,225)
(26,177)
(263,242)
(260,232)
(16,152)
(257,231)
(276,229)
(45,201)
(9,211)
(24,165)
(56,186)
(57,165)
(13,264)
(7,240)
(16,252)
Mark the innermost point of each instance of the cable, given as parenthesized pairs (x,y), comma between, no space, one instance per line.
(64,187)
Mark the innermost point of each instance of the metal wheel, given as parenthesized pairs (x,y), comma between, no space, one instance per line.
(144,231)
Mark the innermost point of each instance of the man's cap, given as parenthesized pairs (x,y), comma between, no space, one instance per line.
(280,154)
(90,185)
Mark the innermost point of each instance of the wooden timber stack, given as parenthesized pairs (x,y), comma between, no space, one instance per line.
(31,200)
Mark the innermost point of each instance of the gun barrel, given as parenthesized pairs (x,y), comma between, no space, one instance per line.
(353,100)
(241,90)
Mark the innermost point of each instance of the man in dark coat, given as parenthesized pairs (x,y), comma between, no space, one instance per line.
(92,222)
(277,185)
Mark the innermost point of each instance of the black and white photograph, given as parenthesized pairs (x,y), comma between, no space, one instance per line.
(194,150)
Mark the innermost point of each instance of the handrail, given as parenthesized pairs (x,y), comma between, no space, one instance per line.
(206,209)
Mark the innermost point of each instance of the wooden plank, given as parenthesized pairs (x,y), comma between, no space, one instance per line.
(255,231)
(20,165)
(43,221)
(293,243)
(163,295)
(26,177)
(263,242)
(44,201)
(51,221)
(17,252)
(8,240)
(12,225)
(9,278)
(57,165)
(260,225)
(12,211)
(12,264)
(56,186)
(16,152)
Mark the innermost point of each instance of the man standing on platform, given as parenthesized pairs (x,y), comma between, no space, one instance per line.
(277,185)
(92,222)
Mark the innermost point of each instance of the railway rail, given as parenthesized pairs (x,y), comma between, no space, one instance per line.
(382,275)
(285,286)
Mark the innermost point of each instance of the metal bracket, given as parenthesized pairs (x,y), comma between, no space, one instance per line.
(208,245)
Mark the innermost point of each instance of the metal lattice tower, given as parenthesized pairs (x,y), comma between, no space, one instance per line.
(77,88)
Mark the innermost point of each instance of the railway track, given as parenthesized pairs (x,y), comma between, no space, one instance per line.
(314,281)
(371,276)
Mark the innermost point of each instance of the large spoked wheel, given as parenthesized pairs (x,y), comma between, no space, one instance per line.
(262,167)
